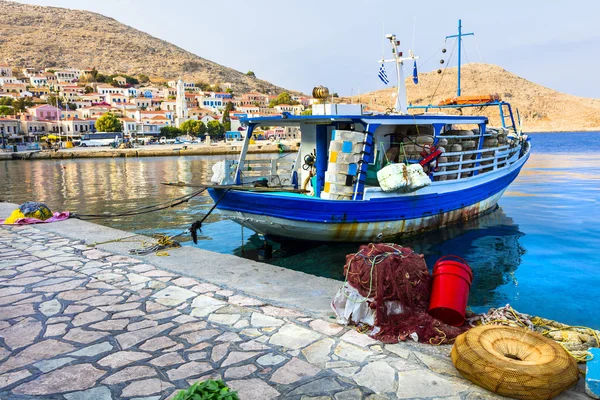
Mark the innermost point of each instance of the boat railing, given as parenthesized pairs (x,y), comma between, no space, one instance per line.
(487,159)
(278,171)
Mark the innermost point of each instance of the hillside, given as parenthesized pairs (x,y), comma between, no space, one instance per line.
(40,36)
(541,109)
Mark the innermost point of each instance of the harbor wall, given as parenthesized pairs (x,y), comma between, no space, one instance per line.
(150,151)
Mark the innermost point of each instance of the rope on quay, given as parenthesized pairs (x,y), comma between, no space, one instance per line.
(141,210)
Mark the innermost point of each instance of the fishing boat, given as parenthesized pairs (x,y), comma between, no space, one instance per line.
(364,177)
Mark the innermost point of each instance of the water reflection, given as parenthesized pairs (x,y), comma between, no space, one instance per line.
(537,251)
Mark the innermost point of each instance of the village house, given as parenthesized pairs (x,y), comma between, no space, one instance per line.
(169,91)
(77,126)
(197,113)
(8,79)
(107,89)
(14,87)
(249,109)
(168,105)
(130,126)
(38,81)
(44,112)
(209,102)
(66,75)
(39,91)
(5,70)
(254,98)
(115,99)
(91,111)
(34,128)
(93,97)
(80,103)
(141,102)
(119,80)
(10,128)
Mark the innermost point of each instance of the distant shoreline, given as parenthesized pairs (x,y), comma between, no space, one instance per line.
(151,151)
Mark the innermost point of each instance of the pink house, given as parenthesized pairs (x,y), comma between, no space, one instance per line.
(44,112)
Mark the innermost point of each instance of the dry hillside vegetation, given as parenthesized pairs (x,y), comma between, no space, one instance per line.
(36,36)
(541,109)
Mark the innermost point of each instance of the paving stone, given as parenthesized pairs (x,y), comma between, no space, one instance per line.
(351,352)
(157,344)
(122,259)
(337,364)
(102,300)
(270,359)
(245,301)
(140,325)
(4,353)
(80,335)
(354,394)
(111,325)
(253,345)
(21,334)
(128,314)
(189,327)
(167,360)
(319,386)
(200,355)
(359,339)
(121,358)
(185,282)
(50,365)
(438,365)
(145,387)
(253,389)
(55,330)
(152,306)
(318,352)
(238,356)
(188,369)
(239,372)
(93,350)
(163,315)
(66,379)
(241,324)
(421,383)
(200,336)
(377,376)
(97,393)
(130,305)
(61,287)
(173,296)
(219,351)
(130,374)
(45,349)
(75,309)
(224,293)
(327,328)
(203,306)
(293,371)
(280,312)
(49,308)
(158,272)
(94,254)
(89,317)
(198,347)
(17,311)
(13,377)
(293,337)
(126,340)
(78,294)
(205,288)
(259,320)
(252,332)
(224,319)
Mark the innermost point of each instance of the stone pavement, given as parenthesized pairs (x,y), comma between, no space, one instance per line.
(78,323)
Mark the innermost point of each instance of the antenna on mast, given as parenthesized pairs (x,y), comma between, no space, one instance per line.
(459,36)
(401,100)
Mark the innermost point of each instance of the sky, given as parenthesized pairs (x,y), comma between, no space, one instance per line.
(337,43)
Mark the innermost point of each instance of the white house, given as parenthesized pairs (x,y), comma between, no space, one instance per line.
(38,80)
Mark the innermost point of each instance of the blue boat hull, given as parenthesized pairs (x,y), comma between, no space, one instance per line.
(302,217)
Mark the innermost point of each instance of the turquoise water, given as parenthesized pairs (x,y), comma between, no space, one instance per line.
(538,251)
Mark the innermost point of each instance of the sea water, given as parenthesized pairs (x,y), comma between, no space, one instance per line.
(539,251)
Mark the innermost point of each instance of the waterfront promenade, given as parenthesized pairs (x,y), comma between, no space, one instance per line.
(195,149)
(81,322)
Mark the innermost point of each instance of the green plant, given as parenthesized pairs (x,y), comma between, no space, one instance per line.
(207,390)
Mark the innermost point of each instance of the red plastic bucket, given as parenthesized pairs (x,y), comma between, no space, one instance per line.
(452,278)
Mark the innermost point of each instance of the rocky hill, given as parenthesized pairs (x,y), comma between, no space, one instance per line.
(541,109)
(40,36)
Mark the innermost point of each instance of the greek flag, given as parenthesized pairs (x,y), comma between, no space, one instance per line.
(382,75)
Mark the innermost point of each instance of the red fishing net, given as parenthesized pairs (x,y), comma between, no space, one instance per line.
(394,275)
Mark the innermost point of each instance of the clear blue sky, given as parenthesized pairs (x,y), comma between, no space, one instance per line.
(336,43)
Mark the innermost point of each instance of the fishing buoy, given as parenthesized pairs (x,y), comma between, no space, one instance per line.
(443,50)
(441,61)
(439,71)
(514,362)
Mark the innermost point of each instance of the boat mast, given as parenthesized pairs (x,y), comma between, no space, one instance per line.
(459,38)
(399,61)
